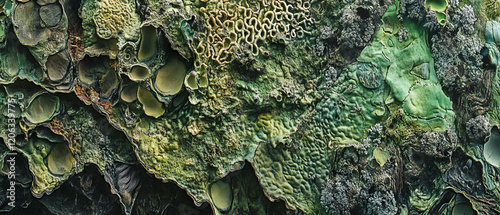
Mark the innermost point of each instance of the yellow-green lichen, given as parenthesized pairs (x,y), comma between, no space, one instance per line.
(221,195)
(139,73)
(129,93)
(42,108)
(170,77)
(147,49)
(60,159)
(116,17)
(150,105)
(380,156)
(191,82)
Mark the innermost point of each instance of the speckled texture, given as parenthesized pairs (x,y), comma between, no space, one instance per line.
(252,107)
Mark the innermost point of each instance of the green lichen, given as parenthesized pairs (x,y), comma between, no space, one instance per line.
(421,96)
(60,160)
(437,5)
(148,45)
(42,108)
(170,78)
(221,195)
(151,106)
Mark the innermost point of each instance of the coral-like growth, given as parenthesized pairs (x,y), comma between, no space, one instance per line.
(465,19)
(440,145)
(116,17)
(478,128)
(359,23)
(453,55)
(230,25)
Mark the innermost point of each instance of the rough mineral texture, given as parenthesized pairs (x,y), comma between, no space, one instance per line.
(250,107)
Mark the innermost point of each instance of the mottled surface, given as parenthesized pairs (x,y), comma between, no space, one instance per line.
(250,107)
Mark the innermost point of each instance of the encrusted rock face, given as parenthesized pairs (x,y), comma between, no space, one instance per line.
(250,107)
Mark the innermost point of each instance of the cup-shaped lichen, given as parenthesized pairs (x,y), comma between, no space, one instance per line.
(441,17)
(138,73)
(147,49)
(203,81)
(221,195)
(91,69)
(60,159)
(11,65)
(190,81)
(129,93)
(42,108)
(150,105)
(491,150)
(436,5)
(170,77)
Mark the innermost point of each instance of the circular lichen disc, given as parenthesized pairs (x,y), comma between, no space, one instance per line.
(60,159)
(139,73)
(42,108)
(170,77)
(491,150)
(129,93)
(84,73)
(148,43)
(150,105)
(221,195)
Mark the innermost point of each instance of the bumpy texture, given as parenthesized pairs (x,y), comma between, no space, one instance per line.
(114,17)
(250,107)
